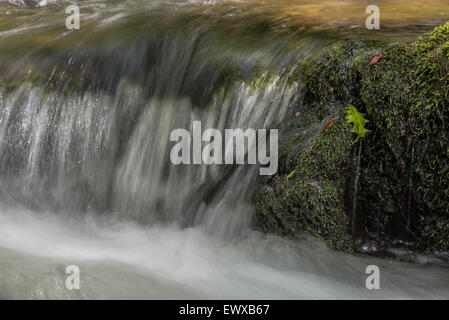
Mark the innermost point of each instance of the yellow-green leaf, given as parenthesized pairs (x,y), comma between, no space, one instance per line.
(358,121)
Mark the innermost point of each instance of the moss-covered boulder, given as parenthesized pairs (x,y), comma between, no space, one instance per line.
(397,191)
(406,161)
(309,196)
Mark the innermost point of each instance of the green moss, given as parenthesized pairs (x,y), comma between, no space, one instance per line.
(333,77)
(311,199)
(406,95)
(403,190)
(433,235)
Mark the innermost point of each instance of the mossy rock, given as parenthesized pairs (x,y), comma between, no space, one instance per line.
(309,199)
(403,185)
(434,234)
(406,162)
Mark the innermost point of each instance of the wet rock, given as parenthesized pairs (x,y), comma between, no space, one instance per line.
(403,190)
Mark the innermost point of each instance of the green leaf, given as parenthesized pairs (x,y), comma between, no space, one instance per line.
(358,122)
(291,174)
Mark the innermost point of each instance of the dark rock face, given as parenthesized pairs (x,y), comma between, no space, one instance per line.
(310,198)
(407,157)
(391,186)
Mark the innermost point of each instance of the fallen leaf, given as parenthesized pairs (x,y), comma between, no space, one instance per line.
(375,59)
(329,124)
(332,89)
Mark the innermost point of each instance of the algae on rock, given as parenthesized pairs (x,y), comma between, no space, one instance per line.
(404,166)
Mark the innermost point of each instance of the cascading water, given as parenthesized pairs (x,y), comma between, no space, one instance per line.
(85,170)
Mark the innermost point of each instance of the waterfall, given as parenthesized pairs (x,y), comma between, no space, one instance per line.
(96,139)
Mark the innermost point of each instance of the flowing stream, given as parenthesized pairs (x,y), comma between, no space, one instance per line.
(85,171)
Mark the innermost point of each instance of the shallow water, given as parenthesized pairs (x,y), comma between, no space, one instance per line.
(124,260)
